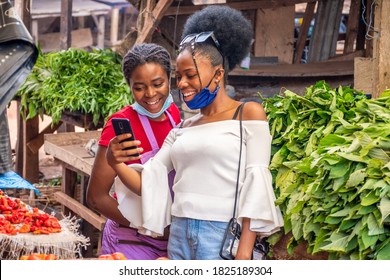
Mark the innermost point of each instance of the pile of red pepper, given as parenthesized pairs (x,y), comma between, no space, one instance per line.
(16,218)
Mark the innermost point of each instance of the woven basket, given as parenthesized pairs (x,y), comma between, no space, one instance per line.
(46,198)
(47,195)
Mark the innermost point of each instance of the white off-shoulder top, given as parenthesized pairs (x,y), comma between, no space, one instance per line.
(205,158)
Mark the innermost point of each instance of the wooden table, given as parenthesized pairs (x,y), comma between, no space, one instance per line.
(68,148)
(80,8)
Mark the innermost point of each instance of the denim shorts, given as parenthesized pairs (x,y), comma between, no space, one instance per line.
(191,239)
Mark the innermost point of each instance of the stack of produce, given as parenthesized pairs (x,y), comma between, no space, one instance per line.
(75,80)
(16,218)
(331,169)
(39,257)
(26,230)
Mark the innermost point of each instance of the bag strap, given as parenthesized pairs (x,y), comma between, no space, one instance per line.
(239,109)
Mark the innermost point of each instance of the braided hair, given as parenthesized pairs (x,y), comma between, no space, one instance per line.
(145,53)
(232,30)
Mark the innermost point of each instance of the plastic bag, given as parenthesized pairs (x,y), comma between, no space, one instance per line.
(18,53)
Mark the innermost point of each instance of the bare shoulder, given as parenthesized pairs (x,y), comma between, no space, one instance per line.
(253,111)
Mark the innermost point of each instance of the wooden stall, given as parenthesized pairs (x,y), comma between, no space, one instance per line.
(297,42)
(69,149)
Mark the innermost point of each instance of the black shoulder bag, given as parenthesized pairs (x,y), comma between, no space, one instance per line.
(232,235)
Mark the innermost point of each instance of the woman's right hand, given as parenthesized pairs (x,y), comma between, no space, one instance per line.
(116,158)
(116,153)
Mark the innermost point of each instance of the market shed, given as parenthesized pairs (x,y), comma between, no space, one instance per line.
(296,42)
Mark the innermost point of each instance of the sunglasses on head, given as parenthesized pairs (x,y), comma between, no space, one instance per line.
(200,38)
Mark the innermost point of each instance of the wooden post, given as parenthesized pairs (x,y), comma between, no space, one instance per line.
(30,159)
(352,28)
(368,42)
(151,18)
(66,42)
(304,31)
(372,74)
(381,55)
(66,24)
(23,8)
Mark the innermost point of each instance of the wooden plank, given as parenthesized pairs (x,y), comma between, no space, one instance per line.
(69,148)
(333,34)
(363,78)
(81,38)
(242,5)
(315,46)
(52,8)
(348,56)
(72,138)
(91,217)
(319,69)
(304,31)
(74,155)
(274,33)
(326,29)
(352,27)
(36,143)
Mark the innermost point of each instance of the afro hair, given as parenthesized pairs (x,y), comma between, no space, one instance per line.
(232,30)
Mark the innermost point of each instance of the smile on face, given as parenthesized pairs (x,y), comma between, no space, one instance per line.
(187,76)
(150,86)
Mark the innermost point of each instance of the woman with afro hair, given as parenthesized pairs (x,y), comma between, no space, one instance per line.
(204,150)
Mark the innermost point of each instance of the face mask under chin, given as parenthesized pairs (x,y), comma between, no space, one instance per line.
(142,111)
(204,98)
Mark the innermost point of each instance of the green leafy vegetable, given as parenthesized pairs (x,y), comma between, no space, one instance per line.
(75,80)
(331,169)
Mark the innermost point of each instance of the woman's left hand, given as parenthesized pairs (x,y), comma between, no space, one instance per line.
(247,241)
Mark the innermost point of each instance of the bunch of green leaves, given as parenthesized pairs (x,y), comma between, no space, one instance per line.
(75,80)
(331,170)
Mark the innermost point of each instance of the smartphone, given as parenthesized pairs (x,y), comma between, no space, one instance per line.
(122,126)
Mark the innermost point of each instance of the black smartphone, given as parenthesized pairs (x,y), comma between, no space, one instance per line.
(122,126)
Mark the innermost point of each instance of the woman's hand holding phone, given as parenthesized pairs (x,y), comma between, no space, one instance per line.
(125,145)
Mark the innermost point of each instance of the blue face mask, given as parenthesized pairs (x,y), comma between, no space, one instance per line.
(142,111)
(203,98)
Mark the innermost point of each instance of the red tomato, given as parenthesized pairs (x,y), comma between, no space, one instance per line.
(118,256)
(106,257)
(162,259)
(23,257)
(35,257)
(50,257)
